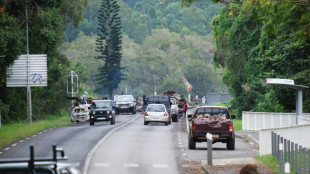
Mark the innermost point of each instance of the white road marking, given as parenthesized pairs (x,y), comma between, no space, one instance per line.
(160,165)
(131,165)
(45,130)
(102,165)
(180,139)
(34,135)
(182,150)
(73,164)
(14,144)
(180,143)
(0,153)
(40,133)
(21,141)
(184,154)
(7,149)
(90,154)
(181,146)
(27,138)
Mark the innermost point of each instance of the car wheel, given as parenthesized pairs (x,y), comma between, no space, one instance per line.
(113,121)
(166,123)
(191,142)
(116,112)
(175,118)
(231,144)
(134,111)
(146,123)
(91,122)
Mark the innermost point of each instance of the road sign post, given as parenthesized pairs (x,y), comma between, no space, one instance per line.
(209,144)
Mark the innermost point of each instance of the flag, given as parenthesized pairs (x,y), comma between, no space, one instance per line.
(188,86)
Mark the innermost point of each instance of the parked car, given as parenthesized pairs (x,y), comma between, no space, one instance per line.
(156,113)
(101,110)
(174,109)
(161,99)
(41,165)
(125,103)
(211,119)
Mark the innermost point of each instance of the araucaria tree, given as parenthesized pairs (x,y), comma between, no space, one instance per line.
(109,46)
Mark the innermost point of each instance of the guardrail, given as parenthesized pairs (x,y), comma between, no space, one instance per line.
(290,153)
(265,120)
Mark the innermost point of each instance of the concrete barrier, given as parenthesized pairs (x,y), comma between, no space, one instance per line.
(298,134)
(255,121)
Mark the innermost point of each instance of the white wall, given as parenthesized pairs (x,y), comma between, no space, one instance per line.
(265,120)
(297,134)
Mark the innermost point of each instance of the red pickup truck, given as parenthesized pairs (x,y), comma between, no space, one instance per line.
(210,119)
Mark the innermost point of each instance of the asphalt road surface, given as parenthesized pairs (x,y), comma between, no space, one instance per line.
(126,147)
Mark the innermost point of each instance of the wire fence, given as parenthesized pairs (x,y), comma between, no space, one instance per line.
(290,153)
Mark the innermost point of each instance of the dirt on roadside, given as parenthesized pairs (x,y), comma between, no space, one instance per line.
(195,167)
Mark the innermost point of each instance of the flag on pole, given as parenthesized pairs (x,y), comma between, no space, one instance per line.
(188,86)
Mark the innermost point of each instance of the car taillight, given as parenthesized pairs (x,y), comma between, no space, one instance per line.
(145,114)
(165,114)
(193,126)
(230,127)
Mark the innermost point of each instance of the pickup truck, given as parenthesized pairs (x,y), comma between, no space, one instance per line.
(210,119)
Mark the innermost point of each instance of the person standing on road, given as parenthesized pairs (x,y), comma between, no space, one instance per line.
(184,108)
(144,102)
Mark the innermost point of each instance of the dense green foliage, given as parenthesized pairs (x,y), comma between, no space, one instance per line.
(160,42)
(140,17)
(263,39)
(47,22)
(109,46)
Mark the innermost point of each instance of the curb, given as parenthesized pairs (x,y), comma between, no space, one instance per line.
(249,138)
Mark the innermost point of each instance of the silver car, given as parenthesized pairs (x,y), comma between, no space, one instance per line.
(156,113)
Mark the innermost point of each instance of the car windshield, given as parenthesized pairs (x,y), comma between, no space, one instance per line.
(156,109)
(124,98)
(102,104)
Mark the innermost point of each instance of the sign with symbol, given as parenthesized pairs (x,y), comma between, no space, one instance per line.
(18,71)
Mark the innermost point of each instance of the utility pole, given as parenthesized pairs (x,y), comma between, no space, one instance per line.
(29,105)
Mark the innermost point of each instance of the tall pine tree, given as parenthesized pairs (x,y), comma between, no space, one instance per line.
(109,46)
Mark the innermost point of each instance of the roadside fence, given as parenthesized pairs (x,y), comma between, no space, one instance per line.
(288,152)
(265,120)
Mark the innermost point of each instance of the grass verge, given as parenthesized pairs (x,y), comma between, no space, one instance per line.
(237,124)
(269,161)
(13,132)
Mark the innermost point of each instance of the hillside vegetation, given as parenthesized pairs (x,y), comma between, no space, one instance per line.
(162,42)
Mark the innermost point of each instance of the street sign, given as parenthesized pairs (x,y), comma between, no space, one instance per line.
(271,81)
(17,72)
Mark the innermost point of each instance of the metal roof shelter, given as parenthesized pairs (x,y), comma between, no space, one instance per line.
(288,83)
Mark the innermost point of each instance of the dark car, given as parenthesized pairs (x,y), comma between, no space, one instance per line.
(125,103)
(160,99)
(38,165)
(101,110)
(211,119)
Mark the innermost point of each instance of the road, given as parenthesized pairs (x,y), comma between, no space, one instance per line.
(126,147)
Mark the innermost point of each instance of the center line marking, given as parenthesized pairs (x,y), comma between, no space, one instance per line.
(102,165)
(160,165)
(14,144)
(131,165)
(7,149)
(21,141)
